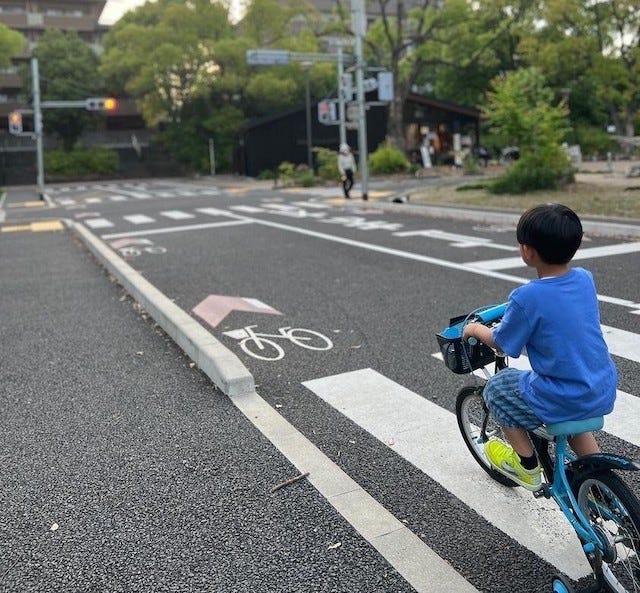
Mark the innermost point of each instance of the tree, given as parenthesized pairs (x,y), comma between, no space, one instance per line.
(163,54)
(521,110)
(68,70)
(11,44)
(590,52)
(185,64)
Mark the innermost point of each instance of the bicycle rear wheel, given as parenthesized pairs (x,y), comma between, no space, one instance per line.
(472,413)
(614,514)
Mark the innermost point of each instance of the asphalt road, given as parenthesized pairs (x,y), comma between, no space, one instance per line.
(377,284)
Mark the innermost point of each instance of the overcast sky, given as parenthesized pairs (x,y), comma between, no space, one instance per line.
(116,8)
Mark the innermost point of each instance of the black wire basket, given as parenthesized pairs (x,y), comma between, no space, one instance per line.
(460,356)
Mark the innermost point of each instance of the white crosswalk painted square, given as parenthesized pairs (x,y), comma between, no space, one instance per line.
(98,223)
(176,214)
(139,219)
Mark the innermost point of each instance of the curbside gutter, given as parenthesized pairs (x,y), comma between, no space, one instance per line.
(221,365)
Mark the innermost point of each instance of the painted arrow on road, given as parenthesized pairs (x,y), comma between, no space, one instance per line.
(216,307)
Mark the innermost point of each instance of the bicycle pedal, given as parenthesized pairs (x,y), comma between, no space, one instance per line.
(542,492)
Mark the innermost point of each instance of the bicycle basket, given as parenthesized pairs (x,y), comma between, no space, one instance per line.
(451,347)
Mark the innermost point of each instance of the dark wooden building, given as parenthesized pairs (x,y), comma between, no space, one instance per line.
(264,143)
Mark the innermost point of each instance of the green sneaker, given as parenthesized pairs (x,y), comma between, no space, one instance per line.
(505,460)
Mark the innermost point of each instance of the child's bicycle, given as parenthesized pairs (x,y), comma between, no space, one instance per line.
(601,508)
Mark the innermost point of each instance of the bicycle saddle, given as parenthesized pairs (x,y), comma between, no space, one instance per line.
(575,426)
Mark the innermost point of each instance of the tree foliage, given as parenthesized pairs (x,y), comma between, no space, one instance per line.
(68,70)
(11,44)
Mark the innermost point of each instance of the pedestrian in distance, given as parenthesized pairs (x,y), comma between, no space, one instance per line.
(347,168)
(555,317)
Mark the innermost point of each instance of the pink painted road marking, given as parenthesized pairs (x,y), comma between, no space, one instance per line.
(216,307)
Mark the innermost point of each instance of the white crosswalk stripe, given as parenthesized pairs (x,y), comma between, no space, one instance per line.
(427,435)
(98,223)
(139,219)
(177,214)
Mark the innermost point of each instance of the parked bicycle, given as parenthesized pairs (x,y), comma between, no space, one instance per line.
(601,508)
(263,346)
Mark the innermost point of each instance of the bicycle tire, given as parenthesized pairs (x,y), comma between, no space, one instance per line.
(258,353)
(613,512)
(470,413)
(298,340)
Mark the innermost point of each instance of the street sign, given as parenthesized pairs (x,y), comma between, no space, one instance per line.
(385,86)
(346,86)
(328,112)
(268,57)
(369,84)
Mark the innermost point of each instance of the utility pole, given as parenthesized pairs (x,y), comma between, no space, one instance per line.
(37,125)
(358,23)
(341,98)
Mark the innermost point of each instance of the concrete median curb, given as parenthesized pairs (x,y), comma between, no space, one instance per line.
(221,365)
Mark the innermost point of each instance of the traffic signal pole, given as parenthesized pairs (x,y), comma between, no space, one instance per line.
(358,23)
(37,124)
(90,104)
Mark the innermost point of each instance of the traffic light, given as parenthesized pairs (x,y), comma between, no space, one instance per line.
(100,104)
(15,122)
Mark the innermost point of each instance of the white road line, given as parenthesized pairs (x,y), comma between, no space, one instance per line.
(456,240)
(139,219)
(427,436)
(403,254)
(588,253)
(177,214)
(98,223)
(177,229)
(416,562)
(118,198)
(621,423)
(93,200)
(247,209)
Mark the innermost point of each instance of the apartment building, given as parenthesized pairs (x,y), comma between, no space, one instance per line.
(32,18)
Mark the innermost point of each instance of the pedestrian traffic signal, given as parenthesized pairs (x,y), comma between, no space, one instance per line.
(15,122)
(101,104)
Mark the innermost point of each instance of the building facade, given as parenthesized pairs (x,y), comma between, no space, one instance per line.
(32,18)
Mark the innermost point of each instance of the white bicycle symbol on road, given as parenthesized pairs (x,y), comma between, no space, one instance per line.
(262,347)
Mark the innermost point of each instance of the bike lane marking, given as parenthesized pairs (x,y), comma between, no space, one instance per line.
(216,307)
(428,437)
(621,423)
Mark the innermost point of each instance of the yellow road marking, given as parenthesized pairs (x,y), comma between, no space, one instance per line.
(34,227)
(50,225)
(15,227)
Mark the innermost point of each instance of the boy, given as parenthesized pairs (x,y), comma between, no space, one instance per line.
(555,317)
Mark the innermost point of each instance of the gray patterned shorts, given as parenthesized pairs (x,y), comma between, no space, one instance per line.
(504,400)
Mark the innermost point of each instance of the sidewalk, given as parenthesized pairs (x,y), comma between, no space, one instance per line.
(124,468)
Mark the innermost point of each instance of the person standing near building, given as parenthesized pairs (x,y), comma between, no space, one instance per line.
(347,168)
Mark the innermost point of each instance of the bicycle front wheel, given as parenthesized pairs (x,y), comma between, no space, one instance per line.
(614,514)
(262,349)
(307,338)
(472,413)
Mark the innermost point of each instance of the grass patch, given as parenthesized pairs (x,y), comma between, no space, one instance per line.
(586,199)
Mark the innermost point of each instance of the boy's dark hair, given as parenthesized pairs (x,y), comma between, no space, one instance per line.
(553,230)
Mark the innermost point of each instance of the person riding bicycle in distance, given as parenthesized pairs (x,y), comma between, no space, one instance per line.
(555,318)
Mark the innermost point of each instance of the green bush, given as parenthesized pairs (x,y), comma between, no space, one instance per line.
(593,141)
(81,162)
(266,175)
(286,171)
(530,174)
(388,159)
(326,164)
